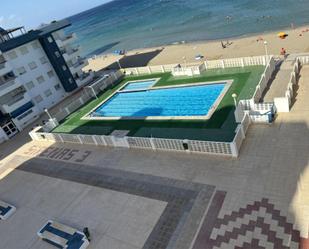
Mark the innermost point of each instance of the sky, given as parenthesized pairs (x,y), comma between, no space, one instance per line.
(32,13)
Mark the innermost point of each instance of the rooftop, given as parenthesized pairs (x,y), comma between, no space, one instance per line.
(15,37)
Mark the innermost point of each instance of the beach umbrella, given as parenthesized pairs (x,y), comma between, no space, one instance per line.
(282,35)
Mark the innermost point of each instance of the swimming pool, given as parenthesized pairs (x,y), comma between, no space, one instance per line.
(182,101)
(139,85)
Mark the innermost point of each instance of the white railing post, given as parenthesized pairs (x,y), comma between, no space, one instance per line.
(153,146)
(94,140)
(80,139)
(113,140)
(67,110)
(234,149)
(162,68)
(242,132)
(206,66)
(149,70)
(242,62)
(223,65)
(125,139)
(62,141)
(136,71)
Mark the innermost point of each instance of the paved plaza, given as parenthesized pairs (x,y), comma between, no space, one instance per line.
(141,199)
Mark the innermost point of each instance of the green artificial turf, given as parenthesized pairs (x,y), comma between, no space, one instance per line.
(220,127)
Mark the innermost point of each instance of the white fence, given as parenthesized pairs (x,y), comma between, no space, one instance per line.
(101,84)
(197,68)
(304,60)
(98,87)
(283,104)
(258,112)
(196,146)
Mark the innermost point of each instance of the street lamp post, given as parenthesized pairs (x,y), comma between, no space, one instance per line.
(48,114)
(185,61)
(266,49)
(119,64)
(234,96)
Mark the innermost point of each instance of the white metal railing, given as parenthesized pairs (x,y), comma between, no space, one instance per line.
(100,85)
(208,147)
(74,105)
(283,104)
(199,67)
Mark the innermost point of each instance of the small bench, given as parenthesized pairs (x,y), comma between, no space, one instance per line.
(6,210)
(63,236)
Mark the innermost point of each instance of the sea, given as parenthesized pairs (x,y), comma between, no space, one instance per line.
(132,24)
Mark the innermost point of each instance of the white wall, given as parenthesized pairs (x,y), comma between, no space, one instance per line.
(34,54)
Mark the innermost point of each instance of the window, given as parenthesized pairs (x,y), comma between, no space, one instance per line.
(12,55)
(24,50)
(57,87)
(32,65)
(25,114)
(30,85)
(57,54)
(21,70)
(64,68)
(48,93)
(35,45)
(50,40)
(50,74)
(40,79)
(38,99)
(43,60)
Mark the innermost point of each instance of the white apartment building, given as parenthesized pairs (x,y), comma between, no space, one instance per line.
(37,70)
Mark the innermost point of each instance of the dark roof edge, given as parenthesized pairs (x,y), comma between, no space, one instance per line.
(33,35)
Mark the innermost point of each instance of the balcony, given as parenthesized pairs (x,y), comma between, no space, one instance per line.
(78,66)
(5,68)
(9,85)
(15,103)
(63,41)
(84,79)
(69,54)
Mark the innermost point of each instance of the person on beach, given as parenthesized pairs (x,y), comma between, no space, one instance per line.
(283,52)
(222,45)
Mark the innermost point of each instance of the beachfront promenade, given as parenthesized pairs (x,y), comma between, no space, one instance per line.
(167,199)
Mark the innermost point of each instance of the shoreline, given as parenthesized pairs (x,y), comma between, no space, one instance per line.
(184,42)
(246,45)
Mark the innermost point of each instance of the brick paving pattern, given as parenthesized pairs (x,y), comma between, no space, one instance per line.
(256,226)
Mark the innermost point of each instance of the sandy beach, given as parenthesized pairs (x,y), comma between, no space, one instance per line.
(297,41)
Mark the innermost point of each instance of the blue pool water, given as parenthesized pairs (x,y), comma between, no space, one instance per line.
(140,85)
(177,101)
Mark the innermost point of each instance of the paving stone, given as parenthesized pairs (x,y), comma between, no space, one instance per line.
(178,224)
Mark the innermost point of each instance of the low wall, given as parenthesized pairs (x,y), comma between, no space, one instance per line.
(230,149)
(283,104)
